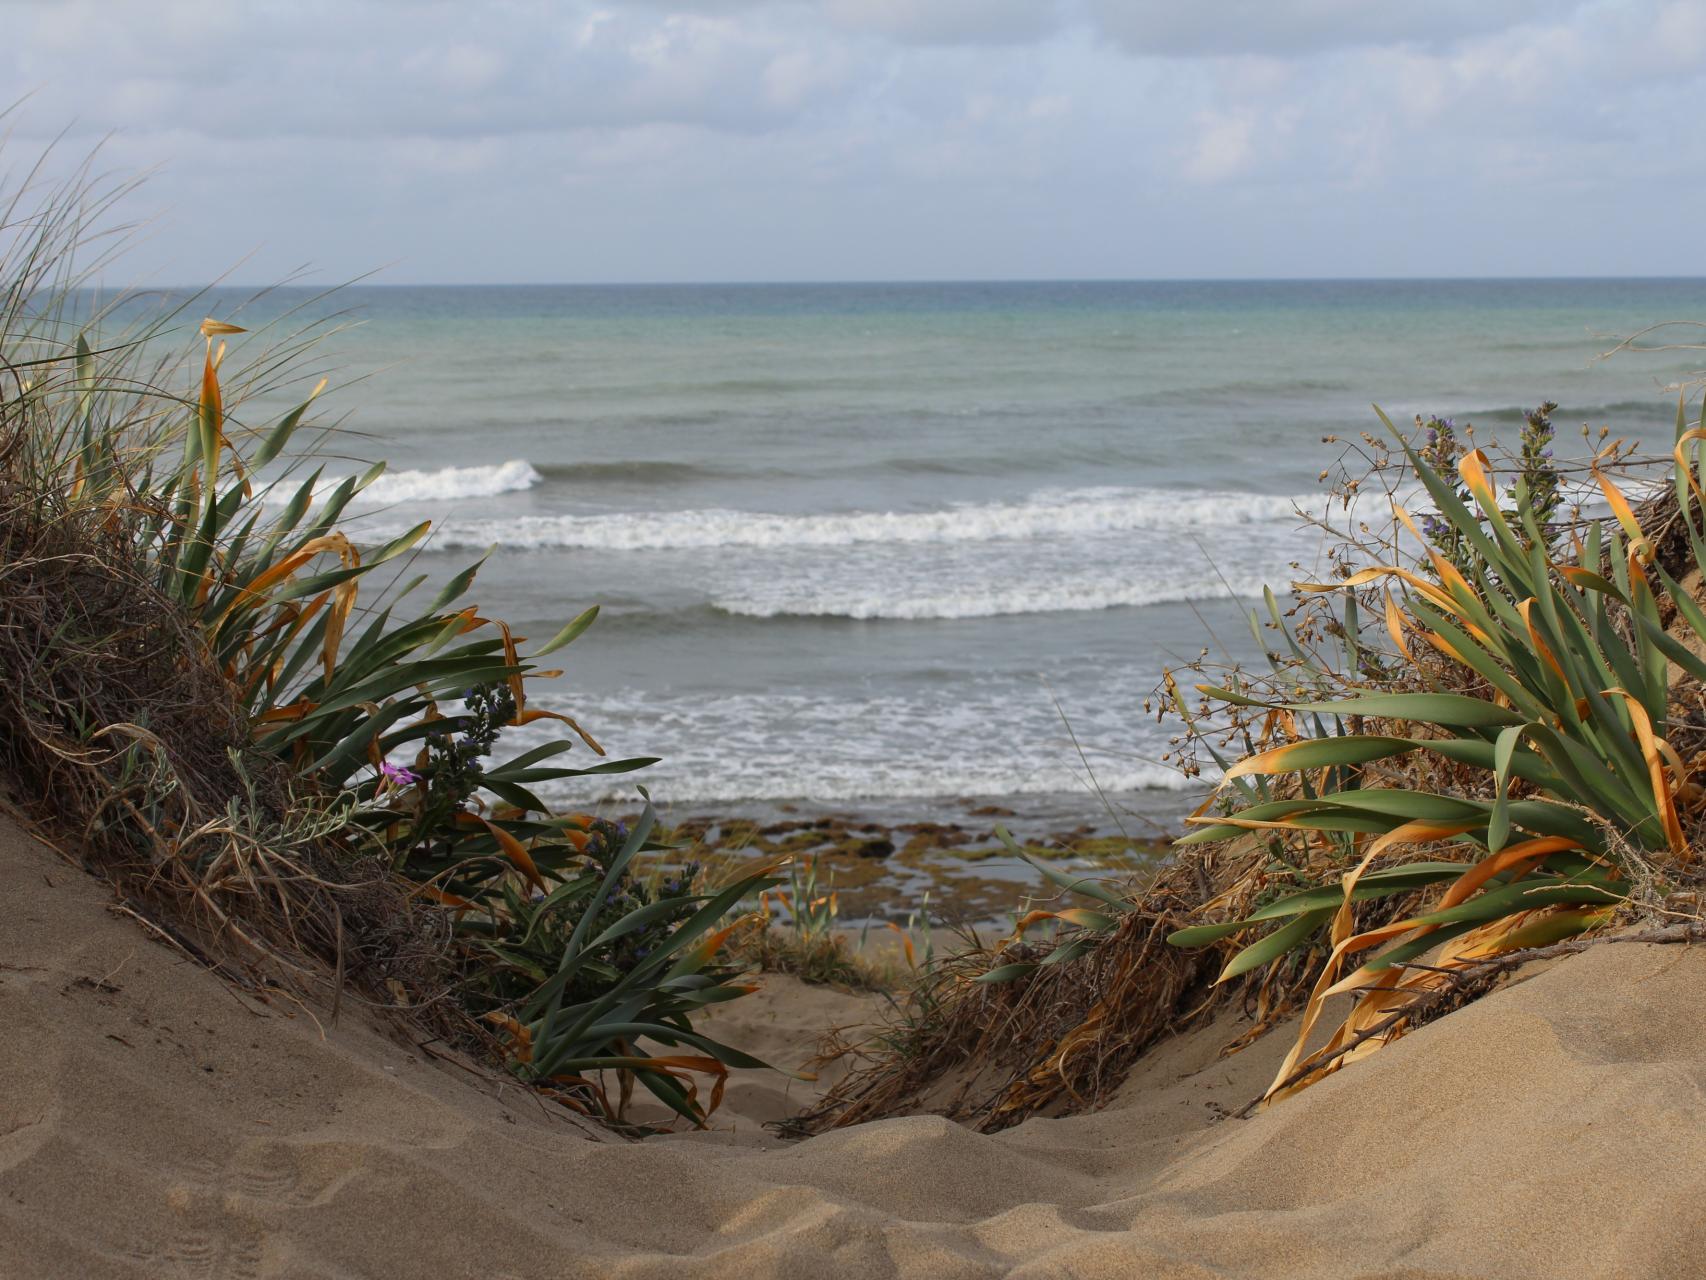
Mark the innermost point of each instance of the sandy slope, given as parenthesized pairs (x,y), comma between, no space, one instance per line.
(152,1123)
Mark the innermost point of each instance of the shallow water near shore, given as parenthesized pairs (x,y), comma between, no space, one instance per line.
(901,550)
(888,865)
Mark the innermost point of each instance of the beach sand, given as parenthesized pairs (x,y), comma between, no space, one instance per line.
(153,1122)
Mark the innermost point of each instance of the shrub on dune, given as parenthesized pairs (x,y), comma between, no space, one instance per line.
(206,682)
(1539,728)
(1509,758)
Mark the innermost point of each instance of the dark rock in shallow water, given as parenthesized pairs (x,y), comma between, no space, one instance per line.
(991,811)
(926,837)
(880,848)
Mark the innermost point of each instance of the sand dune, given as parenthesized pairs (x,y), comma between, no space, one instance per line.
(154,1123)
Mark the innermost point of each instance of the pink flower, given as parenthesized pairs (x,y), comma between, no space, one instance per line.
(398,776)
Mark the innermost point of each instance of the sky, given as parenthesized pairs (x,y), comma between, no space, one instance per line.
(691,140)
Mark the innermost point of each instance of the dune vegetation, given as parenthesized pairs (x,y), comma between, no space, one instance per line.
(1479,742)
(274,740)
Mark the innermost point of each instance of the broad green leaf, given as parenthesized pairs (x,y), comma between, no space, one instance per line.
(1454,710)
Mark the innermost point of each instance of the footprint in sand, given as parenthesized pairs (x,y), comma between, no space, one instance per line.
(203,1255)
(276,1173)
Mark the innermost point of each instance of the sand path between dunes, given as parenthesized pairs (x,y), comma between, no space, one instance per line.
(154,1123)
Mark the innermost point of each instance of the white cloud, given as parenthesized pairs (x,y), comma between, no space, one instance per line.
(1222,148)
(753,138)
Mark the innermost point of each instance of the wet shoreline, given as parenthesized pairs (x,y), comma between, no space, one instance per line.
(892,863)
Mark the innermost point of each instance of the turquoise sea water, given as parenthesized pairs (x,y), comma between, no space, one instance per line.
(862,545)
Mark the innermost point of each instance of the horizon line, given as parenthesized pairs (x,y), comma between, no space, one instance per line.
(367,282)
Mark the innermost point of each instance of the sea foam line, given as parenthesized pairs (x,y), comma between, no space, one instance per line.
(687,783)
(796,599)
(1056,513)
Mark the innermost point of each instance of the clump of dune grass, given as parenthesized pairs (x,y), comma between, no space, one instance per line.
(1539,739)
(1510,760)
(290,767)
(796,931)
(989,1054)
(122,733)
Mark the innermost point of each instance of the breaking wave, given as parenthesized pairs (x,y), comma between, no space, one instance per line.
(1050,514)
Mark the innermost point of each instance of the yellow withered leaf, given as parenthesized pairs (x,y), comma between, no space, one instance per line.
(538,713)
(1680,454)
(520,1035)
(295,711)
(1427,590)
(1639,543)
(211,328)
(1395,627)
(1541,648)
(1474,468)
(512,848)
(256,591)
(513,658)
(1662,796)
(906,942)
(343,601)
(444,898)
(713,943)
(1509,859)
(1028,919)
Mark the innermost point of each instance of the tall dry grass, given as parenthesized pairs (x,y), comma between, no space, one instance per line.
(288,759)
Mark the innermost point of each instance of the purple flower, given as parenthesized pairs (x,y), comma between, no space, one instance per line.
(398,776)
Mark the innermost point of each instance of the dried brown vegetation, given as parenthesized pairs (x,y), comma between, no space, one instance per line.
(1410,810)
(280,764)
(123,743)
(990,1054)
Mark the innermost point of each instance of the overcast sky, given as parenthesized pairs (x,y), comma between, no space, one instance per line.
(658,140)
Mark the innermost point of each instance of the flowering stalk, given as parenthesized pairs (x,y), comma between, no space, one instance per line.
(1536,486)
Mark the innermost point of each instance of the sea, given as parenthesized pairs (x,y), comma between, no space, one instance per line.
(907,548)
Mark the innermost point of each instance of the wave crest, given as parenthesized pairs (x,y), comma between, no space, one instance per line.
(449,483)
(1058,513)
(446,484)
(796,599)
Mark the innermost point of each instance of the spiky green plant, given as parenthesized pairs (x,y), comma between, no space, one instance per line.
(1557,696)
(274,585)
(377,708)
(588,973)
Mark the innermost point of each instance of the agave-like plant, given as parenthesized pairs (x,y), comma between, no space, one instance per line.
(1561,704)
(274,585)
(380,714)
(588,971)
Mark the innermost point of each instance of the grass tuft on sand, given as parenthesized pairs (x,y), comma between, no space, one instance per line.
(273,739)
(1485,747)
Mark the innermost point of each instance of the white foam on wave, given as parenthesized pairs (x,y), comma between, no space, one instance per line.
(446,484)
(814,599)
(1048,514)
(450,483)
(988,738)
(704,786)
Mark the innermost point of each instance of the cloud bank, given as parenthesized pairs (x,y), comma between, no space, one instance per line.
(861,139)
